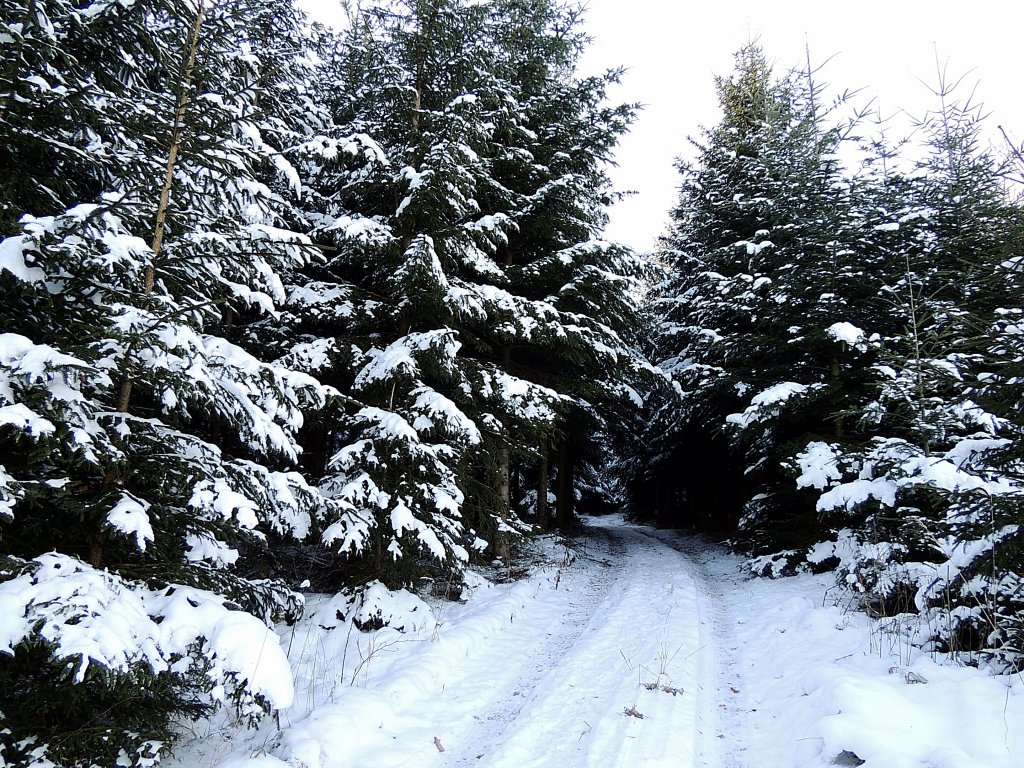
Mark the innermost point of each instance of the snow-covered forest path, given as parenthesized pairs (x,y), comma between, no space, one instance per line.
(614,658)
(613,661)
(626,676)
(648,649)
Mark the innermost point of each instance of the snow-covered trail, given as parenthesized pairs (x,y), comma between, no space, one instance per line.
(627,678)
(612,661)
(651,650)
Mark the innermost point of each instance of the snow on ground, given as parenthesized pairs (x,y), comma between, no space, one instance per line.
(648,649)
(808,683)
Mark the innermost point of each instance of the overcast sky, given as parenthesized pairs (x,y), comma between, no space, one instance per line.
(673,48)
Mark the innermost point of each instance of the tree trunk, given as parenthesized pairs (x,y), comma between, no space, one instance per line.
(177,133)
(565,507)
(378,556)
(404,326)
(124,397)
(543,519)
(839,427)
(424,40)
(96,546)
(504,482)
(504,456)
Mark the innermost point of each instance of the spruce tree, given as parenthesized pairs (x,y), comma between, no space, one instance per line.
(464,249)
(763,269)
(934,494)
(148,458)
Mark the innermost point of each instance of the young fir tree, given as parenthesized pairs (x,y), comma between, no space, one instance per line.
(147,458)
(934,496)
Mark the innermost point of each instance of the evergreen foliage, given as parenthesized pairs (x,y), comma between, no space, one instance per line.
(277,296)
(935,487)
(851,332)
(761,267)
(462,243)
(272,290)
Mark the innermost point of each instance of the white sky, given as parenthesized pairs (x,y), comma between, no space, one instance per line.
(673,48)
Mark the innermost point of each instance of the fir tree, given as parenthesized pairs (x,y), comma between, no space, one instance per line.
(936,490)
(763,273)
(149,455)
(459,249)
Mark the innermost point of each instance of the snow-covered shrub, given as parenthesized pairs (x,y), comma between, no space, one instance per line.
(92,664)
(938,536)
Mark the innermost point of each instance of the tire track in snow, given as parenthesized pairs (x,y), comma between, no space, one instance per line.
(601,547)
(630,689)
(726,702)
(719,716)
